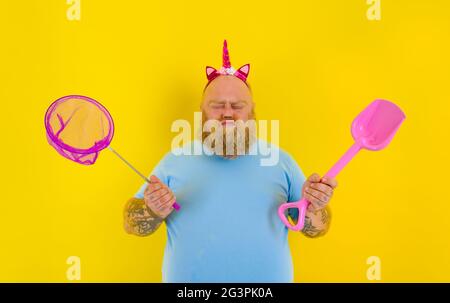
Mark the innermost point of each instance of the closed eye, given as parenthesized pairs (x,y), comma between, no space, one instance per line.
(216,105)
(238,106)
(219,105)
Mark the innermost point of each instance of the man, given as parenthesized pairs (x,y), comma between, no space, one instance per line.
(227,229)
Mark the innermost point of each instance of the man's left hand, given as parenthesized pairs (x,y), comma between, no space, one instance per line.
(318,191)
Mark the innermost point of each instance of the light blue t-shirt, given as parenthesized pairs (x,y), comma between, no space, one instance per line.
(228,229)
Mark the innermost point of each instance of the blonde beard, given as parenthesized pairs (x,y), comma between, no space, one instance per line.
(235,140)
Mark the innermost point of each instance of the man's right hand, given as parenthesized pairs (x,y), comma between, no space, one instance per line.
(159,198)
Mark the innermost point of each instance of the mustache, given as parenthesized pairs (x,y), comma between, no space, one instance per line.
(240,138)
(229,141)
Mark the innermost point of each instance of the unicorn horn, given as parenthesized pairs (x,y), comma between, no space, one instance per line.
(225,55)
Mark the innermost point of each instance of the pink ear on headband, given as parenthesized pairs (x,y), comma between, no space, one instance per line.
(211,73)
(227,69)
(242,72)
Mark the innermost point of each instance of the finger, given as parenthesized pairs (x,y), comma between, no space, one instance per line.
(158,208)
(167,206)
(172,201)
(152,187)
(161,208)
(323,198)
(149,194)
(155,179)
(158,195)
(169,203)
(306,184)
(326,189)
(314,178)
(166,198)
(330,182)
(316,203)
(161,201)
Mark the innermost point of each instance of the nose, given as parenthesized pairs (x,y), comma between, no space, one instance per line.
(228,112)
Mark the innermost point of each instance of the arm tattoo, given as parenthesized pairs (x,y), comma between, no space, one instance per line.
(139,220)
(310,230)
(325,216)
(313,229)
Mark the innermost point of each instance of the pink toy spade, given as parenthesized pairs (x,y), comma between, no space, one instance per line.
(372,129)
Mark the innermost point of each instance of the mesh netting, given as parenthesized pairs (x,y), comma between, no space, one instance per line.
(78,127)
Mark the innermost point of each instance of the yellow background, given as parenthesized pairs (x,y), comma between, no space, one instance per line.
(314,66)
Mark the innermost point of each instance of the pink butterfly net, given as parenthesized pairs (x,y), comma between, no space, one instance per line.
(79,127)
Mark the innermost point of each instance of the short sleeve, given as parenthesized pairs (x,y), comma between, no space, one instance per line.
(296,180)
(160,172)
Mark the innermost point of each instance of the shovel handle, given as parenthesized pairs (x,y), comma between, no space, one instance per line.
(302,204)
(343,161)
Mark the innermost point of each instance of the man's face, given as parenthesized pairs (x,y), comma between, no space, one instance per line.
(227,99)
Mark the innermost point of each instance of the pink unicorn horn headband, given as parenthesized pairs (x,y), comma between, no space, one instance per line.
(227,69)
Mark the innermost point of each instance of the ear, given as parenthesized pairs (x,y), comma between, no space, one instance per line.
(211,72)
(243,72)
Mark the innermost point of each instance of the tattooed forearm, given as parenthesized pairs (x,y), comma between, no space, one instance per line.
(317,223)
(325,216)
(309,229)
(139,219)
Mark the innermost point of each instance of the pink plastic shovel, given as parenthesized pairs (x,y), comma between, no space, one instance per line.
(372,129)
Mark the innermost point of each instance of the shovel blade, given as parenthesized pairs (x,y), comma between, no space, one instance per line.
(377,124)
